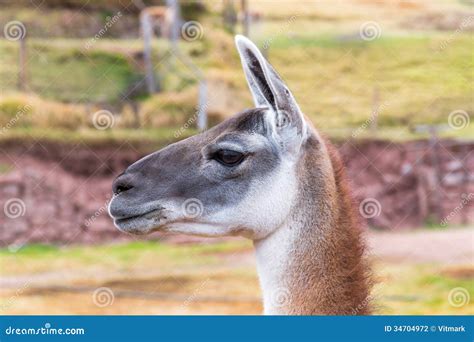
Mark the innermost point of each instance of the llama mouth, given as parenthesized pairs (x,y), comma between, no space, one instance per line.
(148,215)
(140,224)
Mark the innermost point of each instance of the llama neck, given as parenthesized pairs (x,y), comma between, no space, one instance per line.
(313,263)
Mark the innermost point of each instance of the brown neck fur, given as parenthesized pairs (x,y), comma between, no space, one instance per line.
(328,270)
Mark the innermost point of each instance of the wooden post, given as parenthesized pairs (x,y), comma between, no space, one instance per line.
(229,15)
(136,114)
(22,70)
(433,145)
(375,111)
(175,21)
(202,105)
(465,181)
(147,33)
(245,18)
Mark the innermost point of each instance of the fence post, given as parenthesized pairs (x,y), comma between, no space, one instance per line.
(22,78)
(375,111)
(229,15)
(175,21)
(147,33)
(202,105)
(433,144)
(245,18)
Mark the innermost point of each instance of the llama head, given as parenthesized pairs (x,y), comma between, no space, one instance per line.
(238,178)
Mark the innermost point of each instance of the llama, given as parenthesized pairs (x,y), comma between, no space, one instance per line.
(265,174)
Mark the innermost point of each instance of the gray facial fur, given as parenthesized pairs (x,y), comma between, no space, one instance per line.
(249,199)
(186,170)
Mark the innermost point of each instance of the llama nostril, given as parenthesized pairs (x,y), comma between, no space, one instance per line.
(121,184)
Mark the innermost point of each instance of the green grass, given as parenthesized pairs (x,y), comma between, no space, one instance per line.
(401,288)
(152,138)
(411,78)
(420,78)
(47,258)
(419,289)
(5,168)
(67,73)
(335,81)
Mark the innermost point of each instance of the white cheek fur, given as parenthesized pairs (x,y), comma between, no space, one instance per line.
(266,205)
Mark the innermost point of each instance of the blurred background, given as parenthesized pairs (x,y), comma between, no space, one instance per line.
(88,87)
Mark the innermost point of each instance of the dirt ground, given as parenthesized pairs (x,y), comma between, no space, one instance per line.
(445,247)
(65,189)
(230,285)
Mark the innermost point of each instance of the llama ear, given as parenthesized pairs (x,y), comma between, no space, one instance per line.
(267,87)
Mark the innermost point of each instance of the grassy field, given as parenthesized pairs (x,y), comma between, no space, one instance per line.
(335,83)
(202,278)
(409,74)
(418,70)
(67,72)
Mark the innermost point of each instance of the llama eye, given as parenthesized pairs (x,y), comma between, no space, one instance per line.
(229,157)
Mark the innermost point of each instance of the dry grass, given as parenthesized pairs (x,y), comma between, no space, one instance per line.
(420,75)
(217,278)
(21,110)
